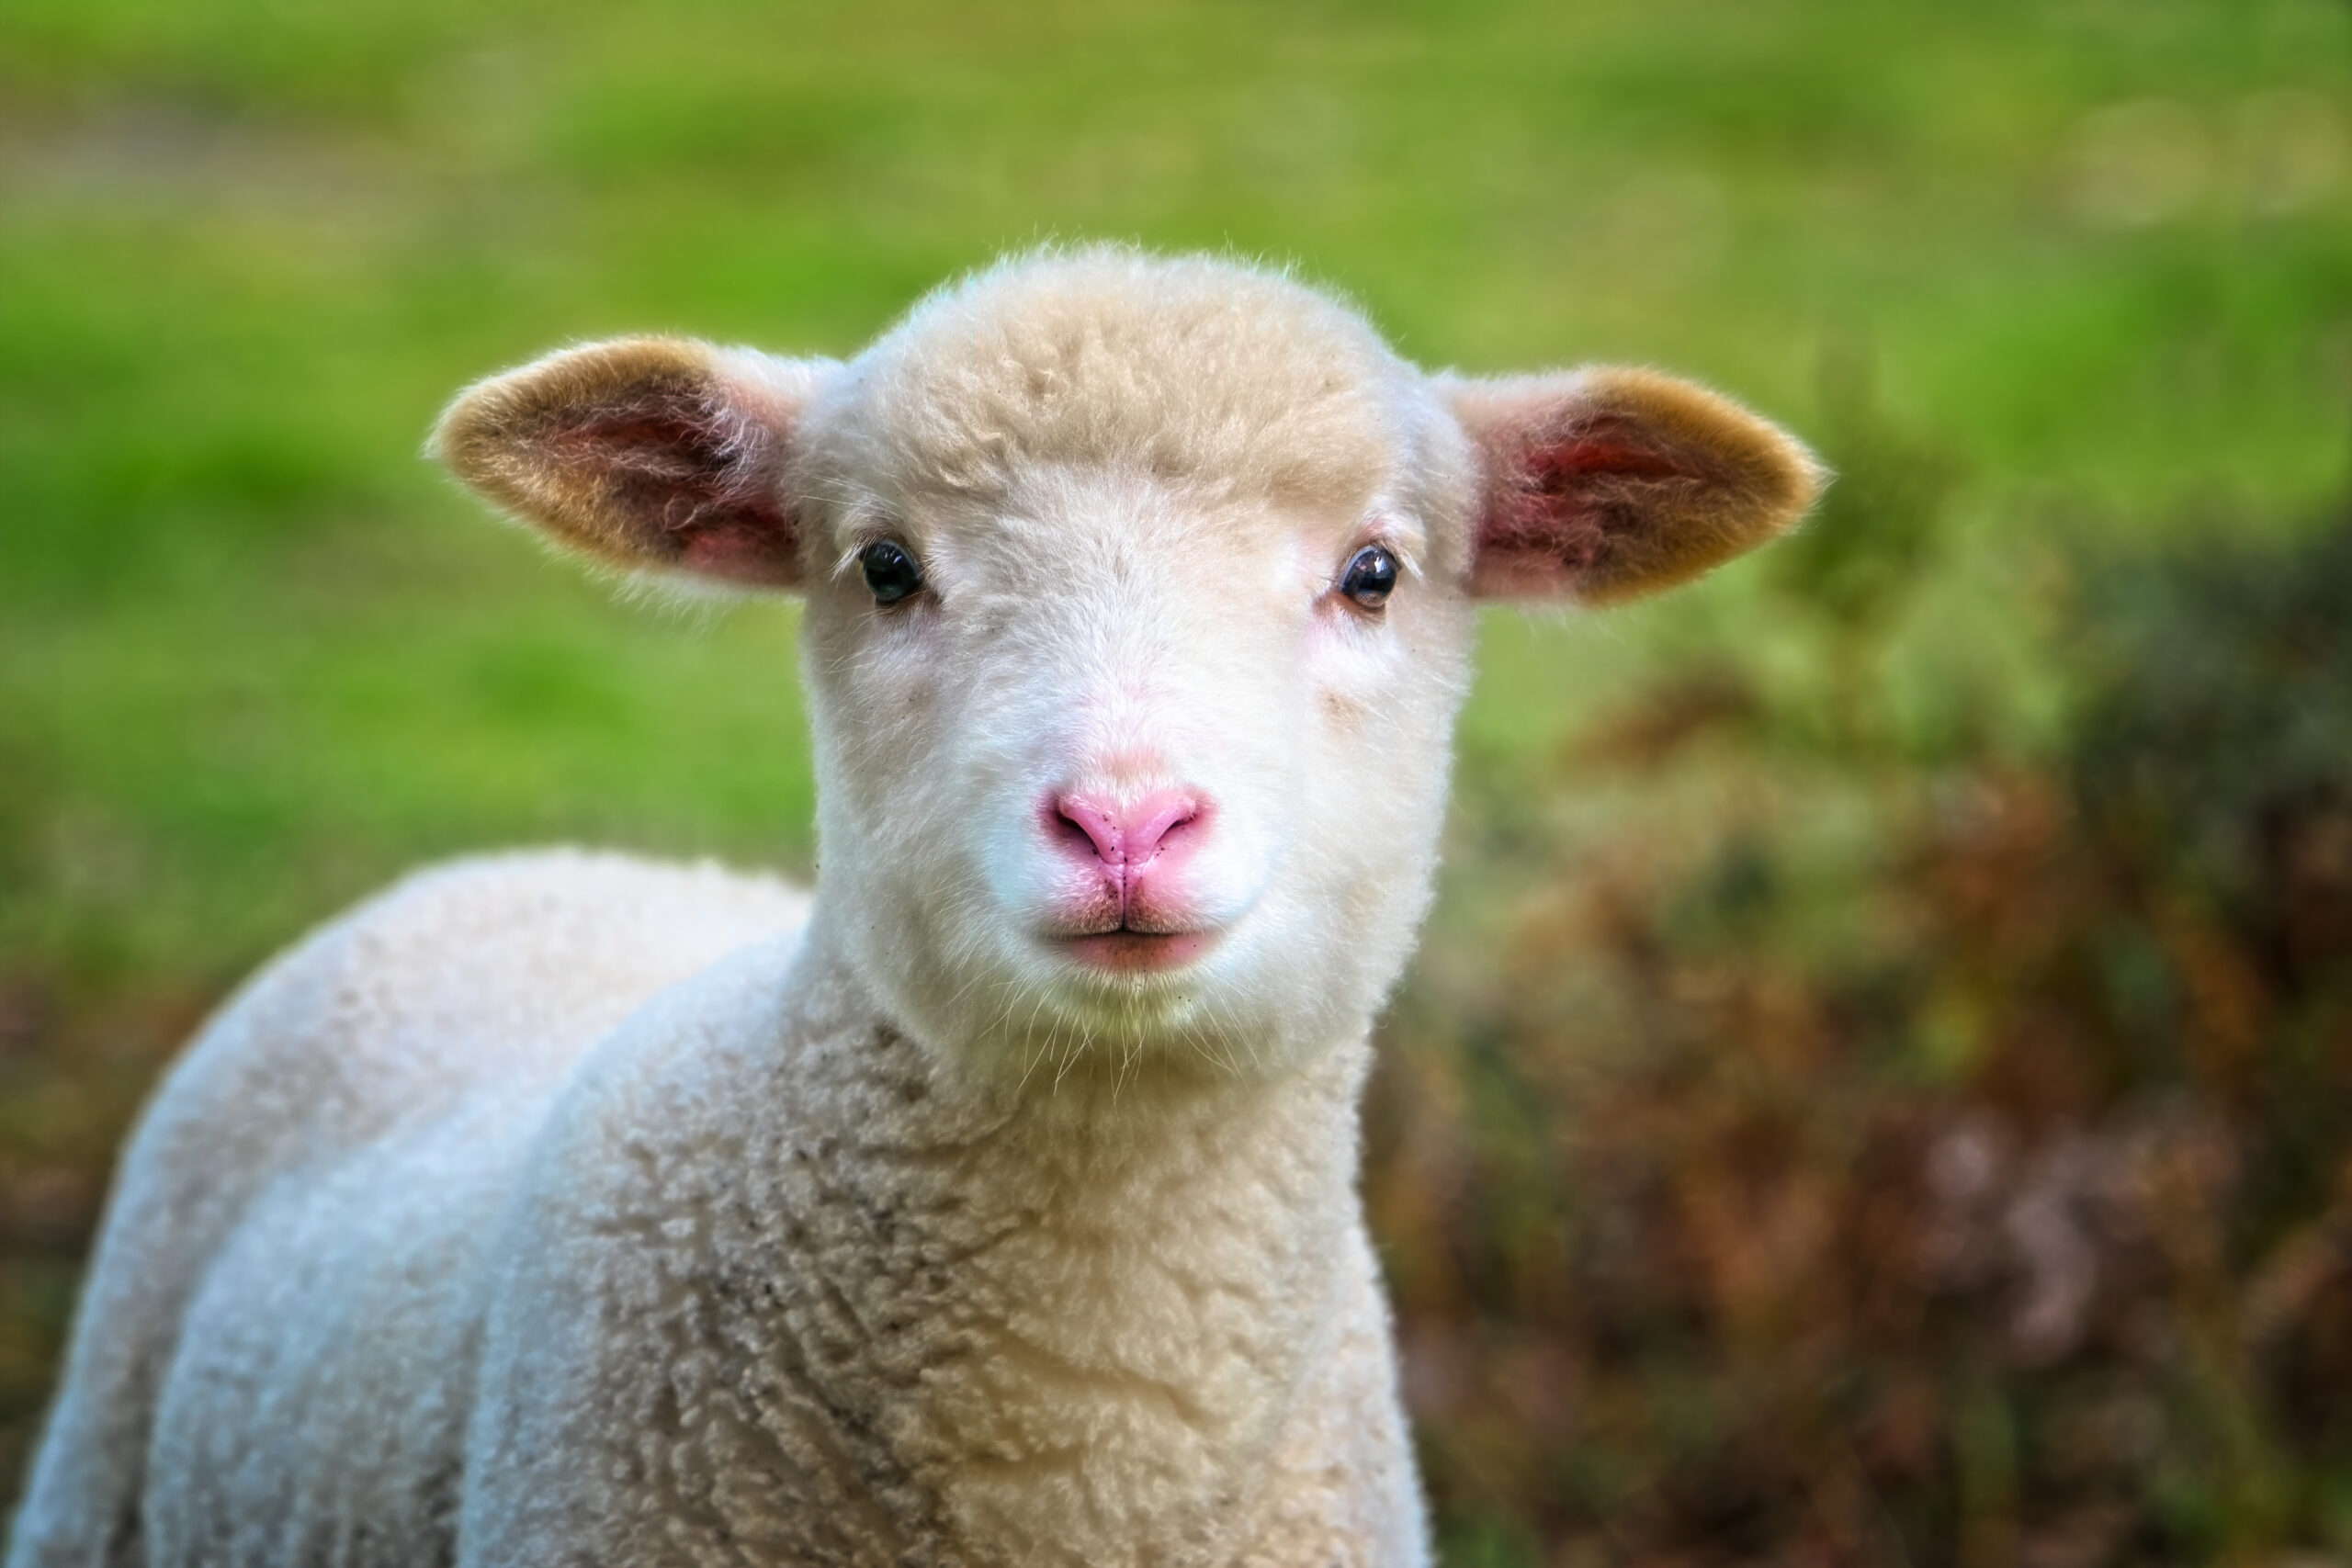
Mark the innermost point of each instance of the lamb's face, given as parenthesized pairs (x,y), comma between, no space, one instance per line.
(1136,632)
(1139,604)
(1131,771)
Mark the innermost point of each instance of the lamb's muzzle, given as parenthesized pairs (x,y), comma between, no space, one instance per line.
(1126,907)
(1000,1206)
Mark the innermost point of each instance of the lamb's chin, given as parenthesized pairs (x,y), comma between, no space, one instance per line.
(1083,1023)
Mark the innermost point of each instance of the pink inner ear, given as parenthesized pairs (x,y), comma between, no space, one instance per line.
(1555,467)
(1555,504)
(738,552)
(693,490)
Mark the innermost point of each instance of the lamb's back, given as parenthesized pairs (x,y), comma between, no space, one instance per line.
(494,973)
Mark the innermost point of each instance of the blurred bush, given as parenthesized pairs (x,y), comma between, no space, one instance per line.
(1925,1152)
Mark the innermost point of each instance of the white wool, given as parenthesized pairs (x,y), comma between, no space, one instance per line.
(566,1208)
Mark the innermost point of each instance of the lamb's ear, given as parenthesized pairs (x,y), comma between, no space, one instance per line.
(1605,484)
(649,452)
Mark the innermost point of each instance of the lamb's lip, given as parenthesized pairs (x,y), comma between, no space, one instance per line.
(1123,949)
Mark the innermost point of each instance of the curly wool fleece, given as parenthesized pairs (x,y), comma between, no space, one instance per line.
(997,1206)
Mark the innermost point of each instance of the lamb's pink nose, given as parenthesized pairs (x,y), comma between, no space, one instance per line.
(1128,835)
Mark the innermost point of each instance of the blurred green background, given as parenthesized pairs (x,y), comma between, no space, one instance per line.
(1875,1091)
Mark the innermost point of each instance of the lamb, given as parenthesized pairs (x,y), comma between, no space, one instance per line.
(997,1205)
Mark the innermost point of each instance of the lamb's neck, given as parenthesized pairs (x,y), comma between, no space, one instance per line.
(1071,1326)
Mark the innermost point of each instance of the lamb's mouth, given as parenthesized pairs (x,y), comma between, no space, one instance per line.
(1125,951)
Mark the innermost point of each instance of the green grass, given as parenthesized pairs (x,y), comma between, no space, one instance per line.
(255,657)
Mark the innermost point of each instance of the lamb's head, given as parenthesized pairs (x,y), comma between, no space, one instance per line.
(1141,597)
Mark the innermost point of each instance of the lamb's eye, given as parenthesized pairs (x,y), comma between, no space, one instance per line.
(890,572)
(1371,577)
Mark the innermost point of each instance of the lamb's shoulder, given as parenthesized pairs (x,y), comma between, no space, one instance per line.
(622,1414)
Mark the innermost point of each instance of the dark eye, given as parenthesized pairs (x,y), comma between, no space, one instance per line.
(1371,577)
(890,572)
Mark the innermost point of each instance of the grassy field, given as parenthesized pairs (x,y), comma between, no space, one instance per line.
(257,655)
(2070,275)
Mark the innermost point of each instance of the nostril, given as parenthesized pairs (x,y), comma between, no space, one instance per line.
(1085,826)
(1156,822)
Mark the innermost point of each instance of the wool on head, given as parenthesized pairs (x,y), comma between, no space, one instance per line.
(1192,370)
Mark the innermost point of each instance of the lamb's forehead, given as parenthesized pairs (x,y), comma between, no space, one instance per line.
(1197,371)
